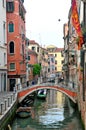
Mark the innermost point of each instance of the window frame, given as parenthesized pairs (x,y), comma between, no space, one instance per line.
(28,58)
(37,49)
(12,69)
(55,62)
(10,6)
(34,48)
(11,27)
(55,55)
(13,50)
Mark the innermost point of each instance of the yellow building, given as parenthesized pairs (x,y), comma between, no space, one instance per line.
(58,57)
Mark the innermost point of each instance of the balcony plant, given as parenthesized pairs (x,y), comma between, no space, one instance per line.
(84,35)
(36,69)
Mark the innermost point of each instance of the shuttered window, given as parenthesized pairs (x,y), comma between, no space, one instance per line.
(12,66)
(10,7)
(11,27)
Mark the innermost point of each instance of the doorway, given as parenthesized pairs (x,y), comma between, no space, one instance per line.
(12,84)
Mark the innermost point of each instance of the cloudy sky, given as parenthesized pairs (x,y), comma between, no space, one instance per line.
(42,20)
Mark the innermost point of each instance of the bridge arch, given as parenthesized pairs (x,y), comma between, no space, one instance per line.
(22,94)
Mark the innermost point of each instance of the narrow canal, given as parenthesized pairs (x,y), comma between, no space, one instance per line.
(55,113)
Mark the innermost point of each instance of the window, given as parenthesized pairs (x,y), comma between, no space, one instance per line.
(48,62)
(62,61)
(48,69)
(11,27)
(55,62)
(33,48)
(12,83)
(53,67)
(10,7)
(37,49)
(11,47)
(12,66)
(28,57)
(52,60)
(23,50)
(55,55)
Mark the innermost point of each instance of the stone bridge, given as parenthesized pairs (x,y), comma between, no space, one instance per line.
(23,93)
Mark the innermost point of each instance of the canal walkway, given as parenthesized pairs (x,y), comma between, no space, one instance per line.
(7,99)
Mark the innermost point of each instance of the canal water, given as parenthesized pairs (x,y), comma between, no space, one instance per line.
(54,113)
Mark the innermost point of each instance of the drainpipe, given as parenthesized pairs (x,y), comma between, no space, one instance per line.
(68,59)
(27,69)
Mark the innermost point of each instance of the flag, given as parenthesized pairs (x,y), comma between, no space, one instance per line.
(76,23)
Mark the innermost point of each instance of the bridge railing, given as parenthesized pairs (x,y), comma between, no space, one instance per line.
(69,85)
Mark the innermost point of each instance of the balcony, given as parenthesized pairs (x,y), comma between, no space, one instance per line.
(65,67)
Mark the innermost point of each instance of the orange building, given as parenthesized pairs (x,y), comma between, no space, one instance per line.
(32,57)
(16,43)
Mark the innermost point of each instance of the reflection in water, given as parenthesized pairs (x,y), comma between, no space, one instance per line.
(53,114)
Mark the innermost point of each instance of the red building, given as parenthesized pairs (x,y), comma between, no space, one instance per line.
(32,59)
(16,43)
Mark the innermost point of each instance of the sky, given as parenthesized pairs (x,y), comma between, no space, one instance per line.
(42,21)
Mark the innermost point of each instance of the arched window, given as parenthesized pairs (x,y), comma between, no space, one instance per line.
(11,47)
(11,27)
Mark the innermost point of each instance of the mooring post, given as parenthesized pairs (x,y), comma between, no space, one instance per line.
(5,104)
(8,101)
(2,107)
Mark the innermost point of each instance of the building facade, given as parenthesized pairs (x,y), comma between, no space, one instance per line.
(65,54)
(44,63)
(76,58)
(32,59)
(57,53)
(3,47)
(51,64)
(16,43)
(82,64)
(42,57)
(35,47)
